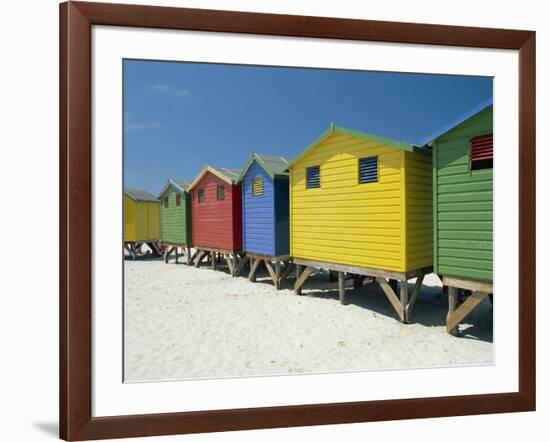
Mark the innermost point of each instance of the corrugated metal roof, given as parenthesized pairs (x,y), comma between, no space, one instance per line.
(139,195)
(232,174)
(273,165)
(277,165)
(454,123)
(180,185)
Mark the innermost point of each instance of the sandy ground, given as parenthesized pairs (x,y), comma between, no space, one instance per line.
(182,322)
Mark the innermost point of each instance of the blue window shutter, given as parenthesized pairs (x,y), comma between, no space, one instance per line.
(368,170)
(313,177)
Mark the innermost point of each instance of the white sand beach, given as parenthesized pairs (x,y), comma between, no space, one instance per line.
(182,322)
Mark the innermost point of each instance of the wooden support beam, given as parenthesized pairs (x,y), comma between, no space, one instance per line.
(278,274)
(200,256)
(453,304)
(342,287)
(468,284)
(464,310)
(288,271)
(234,263)
(229,263)
(298,290)
(241,265)
(394,300)
(255,263)
(414,296)
(214,260)
(176,253)
(404,298)
(191,256)
(304,274)
(167,253)
(271,271)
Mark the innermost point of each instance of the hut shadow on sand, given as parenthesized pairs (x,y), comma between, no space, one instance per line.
(430,311)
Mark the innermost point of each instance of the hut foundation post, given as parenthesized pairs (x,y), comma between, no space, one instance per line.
(342,287)
(253,269)
(214,260)
(453,303)
(134,251)
(241,265)
(235,262)
(404,298)
(464,310)
(188,258)
(176,253)
(297,289)
(278,275)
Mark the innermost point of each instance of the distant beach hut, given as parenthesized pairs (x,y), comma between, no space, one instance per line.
(265,215)
(175,218)
(217,217)
(362,204)
(141,221)
(463,208)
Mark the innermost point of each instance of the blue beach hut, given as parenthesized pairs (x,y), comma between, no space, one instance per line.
(265,199)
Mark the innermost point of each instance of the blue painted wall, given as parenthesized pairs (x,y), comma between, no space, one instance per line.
(265,217)
(258,214)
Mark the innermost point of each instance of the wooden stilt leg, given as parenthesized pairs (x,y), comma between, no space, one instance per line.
(302,279)
(200,256)
(453,303)
(214,260)
(278,274)
(241,265)
(235,262)
(298,289)
(271,271)
(134,251)
(342,287)
(464,310)
(254,267)
(404,299)
(390,294)
(188,258)
(176,252)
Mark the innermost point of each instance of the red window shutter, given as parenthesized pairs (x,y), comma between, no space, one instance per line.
(482,148)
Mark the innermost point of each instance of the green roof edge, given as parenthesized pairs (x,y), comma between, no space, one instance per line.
(333,128)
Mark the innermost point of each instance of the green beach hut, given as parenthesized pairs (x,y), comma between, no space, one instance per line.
(175,218)
(463,209)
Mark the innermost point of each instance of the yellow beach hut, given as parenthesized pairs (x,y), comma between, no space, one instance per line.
(141,221)
(362,204)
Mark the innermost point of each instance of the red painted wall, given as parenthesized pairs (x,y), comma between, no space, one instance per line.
(217,224)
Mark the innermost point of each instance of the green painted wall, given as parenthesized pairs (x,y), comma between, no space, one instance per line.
(175,221)
(463,204)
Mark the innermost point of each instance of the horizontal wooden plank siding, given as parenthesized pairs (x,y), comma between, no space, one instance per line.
(258,212)
(129,219)
(175,226)
(463,201)
(217,223)
(343,221)
(419,211)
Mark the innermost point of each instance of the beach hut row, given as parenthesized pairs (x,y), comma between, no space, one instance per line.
(352,203)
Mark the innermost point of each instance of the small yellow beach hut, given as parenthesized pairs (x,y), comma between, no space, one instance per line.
(362,204)
(141,221)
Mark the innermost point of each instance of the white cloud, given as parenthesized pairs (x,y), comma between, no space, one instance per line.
(165,89)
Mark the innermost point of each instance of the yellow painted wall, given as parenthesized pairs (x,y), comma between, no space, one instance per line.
(129,219)
(358,224)
(141,220)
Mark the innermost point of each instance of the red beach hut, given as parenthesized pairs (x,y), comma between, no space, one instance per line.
(217,217)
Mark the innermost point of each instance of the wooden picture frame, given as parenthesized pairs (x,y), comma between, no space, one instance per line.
(76,421)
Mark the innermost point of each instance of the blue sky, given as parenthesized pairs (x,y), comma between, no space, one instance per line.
(180,116)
